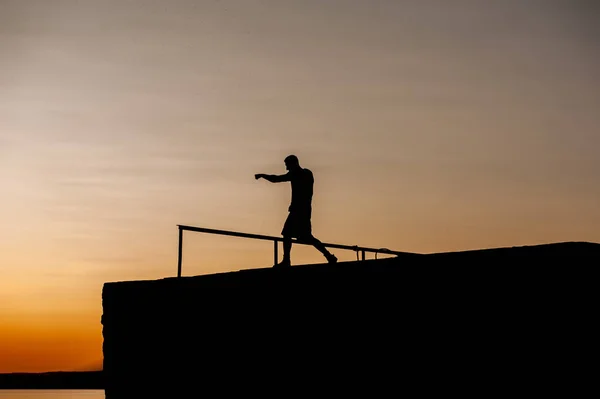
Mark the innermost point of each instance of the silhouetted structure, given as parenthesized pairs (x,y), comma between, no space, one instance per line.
(298,223)
(464,322)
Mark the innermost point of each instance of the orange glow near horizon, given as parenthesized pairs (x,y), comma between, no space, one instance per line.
(428,129)
(41,346)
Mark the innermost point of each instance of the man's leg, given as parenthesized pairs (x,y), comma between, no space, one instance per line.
(287,233)
(319,245)
(287,249)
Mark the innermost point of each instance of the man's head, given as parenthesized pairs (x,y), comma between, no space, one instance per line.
(291,162)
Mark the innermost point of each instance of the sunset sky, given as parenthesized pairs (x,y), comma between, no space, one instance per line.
(429,126)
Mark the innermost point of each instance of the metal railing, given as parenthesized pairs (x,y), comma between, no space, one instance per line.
(276,240)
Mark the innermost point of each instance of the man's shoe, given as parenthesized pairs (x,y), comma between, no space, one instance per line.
(331,258)
(283,263)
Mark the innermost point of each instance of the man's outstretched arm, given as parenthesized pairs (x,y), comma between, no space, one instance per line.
(273,178)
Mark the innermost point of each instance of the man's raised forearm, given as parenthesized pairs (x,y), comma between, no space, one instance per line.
(271,178)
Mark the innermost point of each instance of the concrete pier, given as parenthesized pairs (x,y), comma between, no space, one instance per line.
(374,327)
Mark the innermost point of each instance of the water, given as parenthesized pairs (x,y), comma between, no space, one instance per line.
(51,394)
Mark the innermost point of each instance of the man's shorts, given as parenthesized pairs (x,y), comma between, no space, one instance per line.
(297,225)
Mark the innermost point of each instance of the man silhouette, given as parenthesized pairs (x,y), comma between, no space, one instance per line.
(297,224)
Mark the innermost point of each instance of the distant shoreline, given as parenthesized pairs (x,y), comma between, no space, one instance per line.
(53,380)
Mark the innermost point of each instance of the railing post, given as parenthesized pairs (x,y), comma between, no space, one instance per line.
(275,256)
(179,253)
(363,254)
